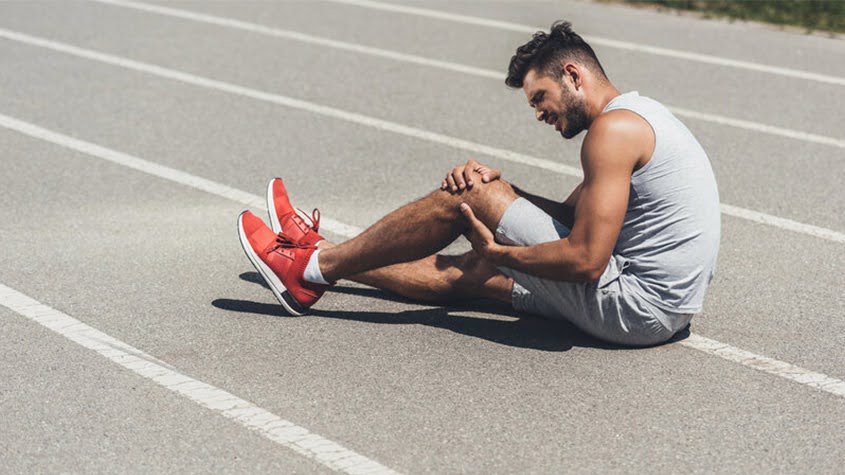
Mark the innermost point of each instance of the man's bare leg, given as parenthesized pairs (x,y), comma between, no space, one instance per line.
(416,230)
(439,278)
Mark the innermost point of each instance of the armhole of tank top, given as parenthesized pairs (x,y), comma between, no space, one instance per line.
(645,167)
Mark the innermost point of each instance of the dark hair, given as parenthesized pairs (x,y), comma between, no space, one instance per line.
(547,53)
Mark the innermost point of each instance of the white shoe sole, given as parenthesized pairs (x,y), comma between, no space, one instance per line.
(273,281)
(275,225)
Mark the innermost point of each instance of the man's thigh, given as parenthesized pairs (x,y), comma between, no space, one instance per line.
(525,224)
(605,309)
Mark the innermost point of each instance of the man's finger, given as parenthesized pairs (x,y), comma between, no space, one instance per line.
(484,172)
(458,175)
(489,175)
(450,182)
(467,212)
(473,221)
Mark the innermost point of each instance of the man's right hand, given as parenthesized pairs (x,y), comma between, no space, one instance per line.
(460,178)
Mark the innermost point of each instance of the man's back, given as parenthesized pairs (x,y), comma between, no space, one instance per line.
(670,236)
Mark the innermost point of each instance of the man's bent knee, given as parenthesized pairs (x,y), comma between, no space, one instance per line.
(489,201)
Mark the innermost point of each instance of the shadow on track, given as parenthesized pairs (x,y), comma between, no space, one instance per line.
(522,332)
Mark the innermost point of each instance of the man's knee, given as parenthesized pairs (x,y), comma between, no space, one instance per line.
(488,200)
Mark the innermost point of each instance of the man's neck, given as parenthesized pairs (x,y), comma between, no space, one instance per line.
(602,99)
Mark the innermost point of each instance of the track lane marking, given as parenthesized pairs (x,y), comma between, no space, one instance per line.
(445,65)
(299,36)
(245,413)
(712,347)
(461,144)
(765,364)
(624,45)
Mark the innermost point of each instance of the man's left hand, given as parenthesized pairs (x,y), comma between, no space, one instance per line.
(460,178)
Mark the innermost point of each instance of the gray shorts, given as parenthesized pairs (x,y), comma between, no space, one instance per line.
(606,309)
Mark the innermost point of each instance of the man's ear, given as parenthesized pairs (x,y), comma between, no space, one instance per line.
(574,73)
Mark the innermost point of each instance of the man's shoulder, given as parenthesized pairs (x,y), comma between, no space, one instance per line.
(621,123)
(619,135)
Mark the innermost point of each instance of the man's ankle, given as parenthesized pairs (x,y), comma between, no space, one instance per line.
(312,271)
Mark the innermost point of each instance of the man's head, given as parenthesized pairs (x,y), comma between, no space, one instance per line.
(558,71)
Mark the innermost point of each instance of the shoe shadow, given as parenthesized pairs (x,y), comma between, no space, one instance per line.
(255,278)
(488,306)
(521,332)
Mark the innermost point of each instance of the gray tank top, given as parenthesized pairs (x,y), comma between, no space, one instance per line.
(670,237)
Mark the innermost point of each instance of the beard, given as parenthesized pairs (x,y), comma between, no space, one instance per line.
(575,116)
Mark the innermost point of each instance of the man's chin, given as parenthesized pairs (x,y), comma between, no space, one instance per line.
(568,134)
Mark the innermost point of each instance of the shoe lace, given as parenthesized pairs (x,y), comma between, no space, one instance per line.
(314,218)
(283,241)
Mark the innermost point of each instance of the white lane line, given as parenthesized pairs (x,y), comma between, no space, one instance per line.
(302,37)
(514,157)
(155,169)
(765,364)
(625,45)
(783,223)
(245,413)
(758,127)
(291,102)
(445,65)
(761,363)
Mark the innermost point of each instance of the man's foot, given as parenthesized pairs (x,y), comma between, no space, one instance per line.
(281,261)
(283,217)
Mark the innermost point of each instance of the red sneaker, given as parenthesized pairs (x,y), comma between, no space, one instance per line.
(283,217)
(281,261)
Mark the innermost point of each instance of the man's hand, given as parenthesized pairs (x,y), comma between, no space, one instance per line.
(481,237)
(460,178)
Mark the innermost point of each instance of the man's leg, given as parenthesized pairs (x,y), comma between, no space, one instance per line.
(439,278)
(416,230)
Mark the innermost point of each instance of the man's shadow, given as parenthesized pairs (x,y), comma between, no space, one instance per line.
(523,332)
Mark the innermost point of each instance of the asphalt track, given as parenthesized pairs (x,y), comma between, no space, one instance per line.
(150,259)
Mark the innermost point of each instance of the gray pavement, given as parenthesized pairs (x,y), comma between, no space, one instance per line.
(66,409)
(418,388)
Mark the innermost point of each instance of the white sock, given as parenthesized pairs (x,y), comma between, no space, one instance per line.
(312,270)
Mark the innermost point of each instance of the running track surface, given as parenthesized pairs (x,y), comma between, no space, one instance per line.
(135,335)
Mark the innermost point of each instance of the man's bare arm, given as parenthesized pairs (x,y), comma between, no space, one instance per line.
(611,150)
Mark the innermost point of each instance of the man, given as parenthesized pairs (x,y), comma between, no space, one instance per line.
(627,257)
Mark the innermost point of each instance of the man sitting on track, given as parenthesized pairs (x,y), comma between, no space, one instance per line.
(627,257)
